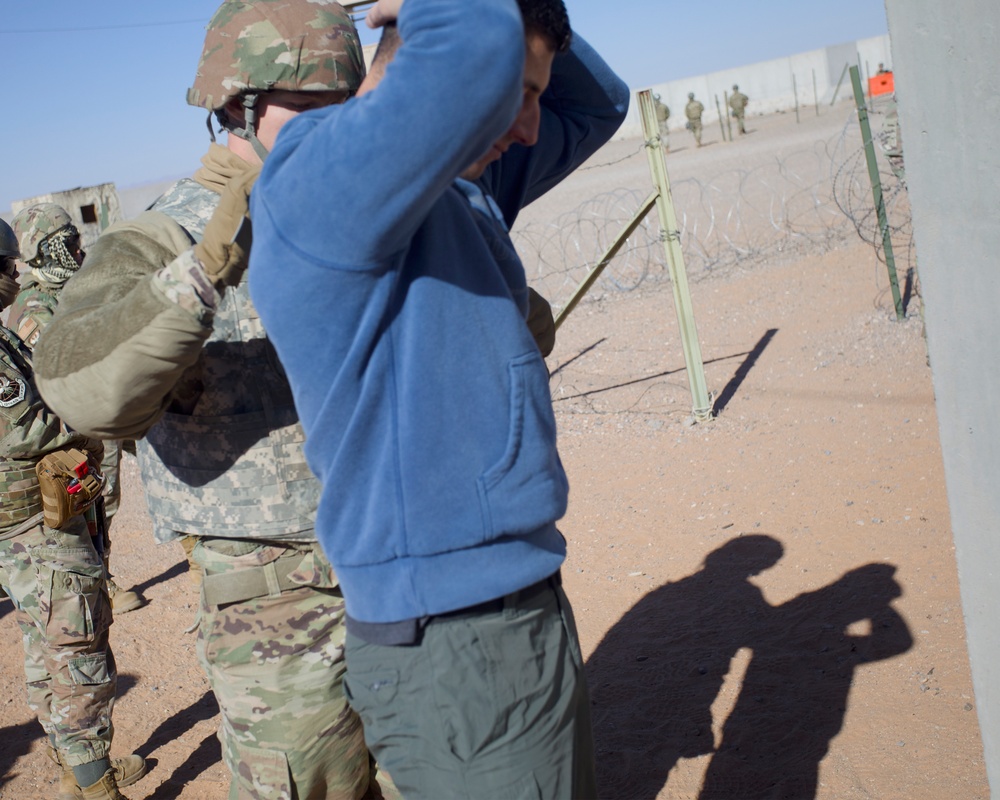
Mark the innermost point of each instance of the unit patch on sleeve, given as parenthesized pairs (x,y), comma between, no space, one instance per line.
(12,391)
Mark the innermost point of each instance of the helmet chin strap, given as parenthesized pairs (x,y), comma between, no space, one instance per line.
(249,130)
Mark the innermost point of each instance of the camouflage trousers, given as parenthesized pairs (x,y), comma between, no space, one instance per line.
(664,135)
(276,665)
(694,125)
(56,582)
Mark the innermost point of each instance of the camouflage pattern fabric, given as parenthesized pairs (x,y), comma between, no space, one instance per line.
(223,469)
(32,309)
(30,313)
(270,45)
(693,111)
(56,581)
(738,103)
(276,664)
(662,116)
(54,578)
(35,224)
(231,431)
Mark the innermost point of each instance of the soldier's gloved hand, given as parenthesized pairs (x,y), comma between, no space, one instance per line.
(224,250)
(540,322)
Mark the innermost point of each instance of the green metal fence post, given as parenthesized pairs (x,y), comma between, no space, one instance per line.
(836,91)
(795,91)
(670,234)
(883,222)
(722,125)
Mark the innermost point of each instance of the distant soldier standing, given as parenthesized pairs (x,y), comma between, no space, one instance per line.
(693,111)
(53,572)
(662,115)
(50,246)
(157,339)
(738,104)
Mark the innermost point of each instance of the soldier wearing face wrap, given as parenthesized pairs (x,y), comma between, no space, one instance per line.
(55,579)
(50,246)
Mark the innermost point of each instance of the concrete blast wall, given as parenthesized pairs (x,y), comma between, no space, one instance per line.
(946,77)
(768,84)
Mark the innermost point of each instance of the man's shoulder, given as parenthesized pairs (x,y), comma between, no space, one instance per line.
(189,204)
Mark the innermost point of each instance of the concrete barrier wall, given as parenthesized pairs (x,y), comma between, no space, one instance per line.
(768,84)
(948,112)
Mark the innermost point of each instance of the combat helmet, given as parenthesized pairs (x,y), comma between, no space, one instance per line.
(690,95)
(8,272)
(736,88)
(34,224)
(8,242)
(50,242)
(257,46)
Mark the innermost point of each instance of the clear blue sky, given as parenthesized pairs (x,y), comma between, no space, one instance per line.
(94,91)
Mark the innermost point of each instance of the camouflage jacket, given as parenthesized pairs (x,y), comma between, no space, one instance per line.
(693,110)
(28,430)
(143,346)
(33,308)
(662,111)
(738,101)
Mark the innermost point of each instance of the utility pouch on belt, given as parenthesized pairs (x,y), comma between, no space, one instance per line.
(69,484)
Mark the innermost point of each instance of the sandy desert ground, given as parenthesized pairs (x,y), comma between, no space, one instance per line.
(768,601)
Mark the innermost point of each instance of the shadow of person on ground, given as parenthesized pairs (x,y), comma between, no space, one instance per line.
(180,723)
(17,741)
(654,676)
(207,753)
(795,691)
(177,569)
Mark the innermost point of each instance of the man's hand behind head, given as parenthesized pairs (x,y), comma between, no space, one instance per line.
(382,12)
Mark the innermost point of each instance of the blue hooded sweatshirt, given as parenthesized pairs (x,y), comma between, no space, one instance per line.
(398,311)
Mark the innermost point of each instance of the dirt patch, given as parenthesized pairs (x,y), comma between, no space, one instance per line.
(768,602)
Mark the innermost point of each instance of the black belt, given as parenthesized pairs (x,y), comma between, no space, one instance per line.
(410,631)
(493,606)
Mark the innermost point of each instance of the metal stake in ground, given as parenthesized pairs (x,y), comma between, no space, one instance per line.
(883,222)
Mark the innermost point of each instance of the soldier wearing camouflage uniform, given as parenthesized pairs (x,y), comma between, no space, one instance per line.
(50,246)
(56,581)
(157,339)
(662,115)
(738,105)
(693,111)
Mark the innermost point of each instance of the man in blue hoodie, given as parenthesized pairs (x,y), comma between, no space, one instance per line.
(397,305)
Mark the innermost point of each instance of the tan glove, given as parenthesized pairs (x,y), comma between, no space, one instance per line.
(540,322)
(224,250)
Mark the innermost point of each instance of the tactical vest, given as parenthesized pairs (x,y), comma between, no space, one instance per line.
(20,498)
(226,458)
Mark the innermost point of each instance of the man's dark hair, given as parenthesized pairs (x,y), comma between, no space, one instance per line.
(547,18)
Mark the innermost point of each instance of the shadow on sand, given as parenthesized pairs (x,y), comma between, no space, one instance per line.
(655,675)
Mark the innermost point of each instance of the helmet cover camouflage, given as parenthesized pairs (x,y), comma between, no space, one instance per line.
(34,224)
(8,242)
(266,45)
(690,95)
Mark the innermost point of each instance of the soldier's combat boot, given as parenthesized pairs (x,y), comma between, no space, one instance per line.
(126,771)
(124,600)
(105,789)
